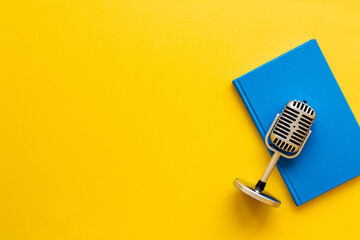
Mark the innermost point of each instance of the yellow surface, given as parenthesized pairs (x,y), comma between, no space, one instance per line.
(119,119)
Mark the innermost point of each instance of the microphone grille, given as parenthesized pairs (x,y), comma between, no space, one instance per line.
(293,125)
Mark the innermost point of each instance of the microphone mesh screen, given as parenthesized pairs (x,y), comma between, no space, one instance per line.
(293,125)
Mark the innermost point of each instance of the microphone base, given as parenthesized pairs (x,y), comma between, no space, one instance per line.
(261,197)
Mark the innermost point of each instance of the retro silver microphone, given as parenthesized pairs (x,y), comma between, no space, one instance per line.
(288,135)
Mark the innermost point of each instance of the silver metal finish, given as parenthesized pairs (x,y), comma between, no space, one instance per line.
(276,150)
(266,199)
(288,133)
(292,127)
(275,157)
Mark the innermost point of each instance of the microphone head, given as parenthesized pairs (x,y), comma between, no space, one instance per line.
(292,126)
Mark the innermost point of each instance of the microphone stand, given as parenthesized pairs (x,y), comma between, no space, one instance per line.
(262,182)
(257,192)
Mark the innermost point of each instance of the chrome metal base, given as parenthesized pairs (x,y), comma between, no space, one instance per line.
(266,199)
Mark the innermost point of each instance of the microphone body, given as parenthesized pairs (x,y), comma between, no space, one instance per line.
(292,126)
(288,134)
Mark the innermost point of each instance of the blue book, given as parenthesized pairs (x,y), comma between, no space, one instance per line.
(331,155)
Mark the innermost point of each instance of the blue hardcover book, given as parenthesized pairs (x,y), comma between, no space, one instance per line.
(332,154)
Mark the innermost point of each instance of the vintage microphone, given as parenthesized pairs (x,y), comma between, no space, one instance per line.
(288,134)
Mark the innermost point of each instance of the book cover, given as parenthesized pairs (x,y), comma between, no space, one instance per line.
(332,154)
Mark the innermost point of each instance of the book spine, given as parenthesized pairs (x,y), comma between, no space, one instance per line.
(261,130)
(249,108)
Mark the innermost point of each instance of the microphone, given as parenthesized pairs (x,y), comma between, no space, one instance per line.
(288,135)
(293,125)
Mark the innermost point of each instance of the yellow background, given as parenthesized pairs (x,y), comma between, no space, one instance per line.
(119,119)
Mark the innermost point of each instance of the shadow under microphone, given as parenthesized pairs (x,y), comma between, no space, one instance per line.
(288,134)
